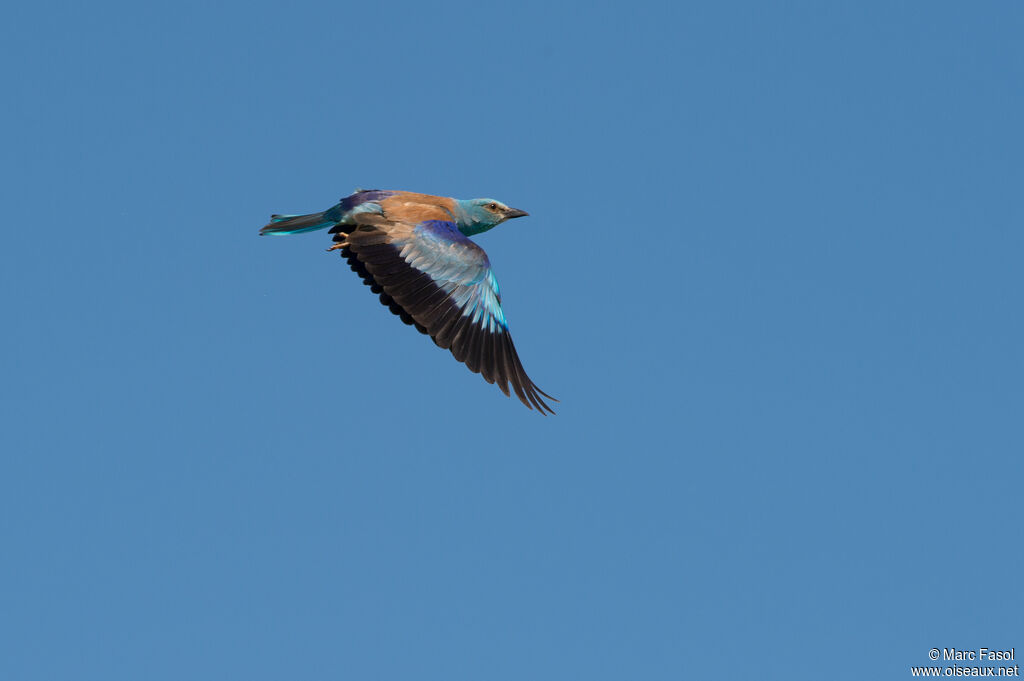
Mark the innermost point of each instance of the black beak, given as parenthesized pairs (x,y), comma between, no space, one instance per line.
(515,213)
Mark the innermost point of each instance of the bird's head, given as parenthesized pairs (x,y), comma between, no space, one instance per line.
(474,216)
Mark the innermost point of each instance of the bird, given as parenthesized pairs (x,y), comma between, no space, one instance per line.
(414,251)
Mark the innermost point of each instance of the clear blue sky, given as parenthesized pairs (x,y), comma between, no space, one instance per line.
(772,270)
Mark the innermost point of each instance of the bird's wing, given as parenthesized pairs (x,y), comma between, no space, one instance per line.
(432,276)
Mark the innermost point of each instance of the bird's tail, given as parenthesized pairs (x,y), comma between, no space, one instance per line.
(296,224)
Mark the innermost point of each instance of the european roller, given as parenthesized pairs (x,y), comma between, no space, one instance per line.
(414,251)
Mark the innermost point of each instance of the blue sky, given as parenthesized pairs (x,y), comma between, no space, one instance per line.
(772,272)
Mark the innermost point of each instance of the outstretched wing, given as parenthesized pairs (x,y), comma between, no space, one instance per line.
(434,277)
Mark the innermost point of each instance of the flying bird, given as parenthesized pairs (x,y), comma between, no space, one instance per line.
(413,249)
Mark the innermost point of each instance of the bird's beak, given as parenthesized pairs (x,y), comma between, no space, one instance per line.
(515,213)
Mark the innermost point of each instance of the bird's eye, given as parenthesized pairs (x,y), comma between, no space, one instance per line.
(493,206)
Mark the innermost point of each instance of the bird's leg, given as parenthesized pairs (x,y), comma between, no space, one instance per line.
(341,244)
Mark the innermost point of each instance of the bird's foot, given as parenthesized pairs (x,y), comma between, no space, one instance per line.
(340,244)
